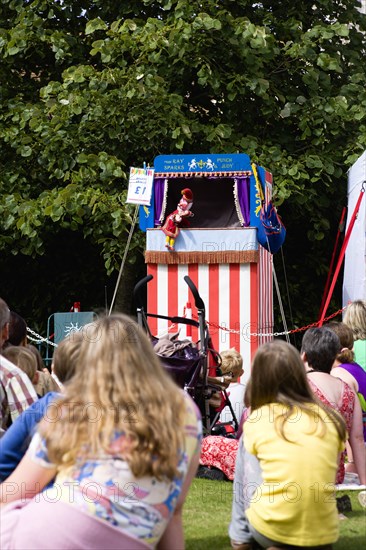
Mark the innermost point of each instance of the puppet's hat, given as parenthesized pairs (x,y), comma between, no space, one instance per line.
(187,194)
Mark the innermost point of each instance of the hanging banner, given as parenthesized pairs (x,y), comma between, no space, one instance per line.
(140,186)
(354,276)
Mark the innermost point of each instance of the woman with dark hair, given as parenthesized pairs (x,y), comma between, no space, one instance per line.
(319,349)
(346,368)
(17,331)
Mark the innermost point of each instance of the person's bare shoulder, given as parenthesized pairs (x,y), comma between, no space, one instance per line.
(339,372)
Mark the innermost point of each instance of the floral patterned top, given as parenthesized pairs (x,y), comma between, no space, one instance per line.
(105,487)
(220,452)
(346,410)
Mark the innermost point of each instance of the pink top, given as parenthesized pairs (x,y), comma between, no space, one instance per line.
(346,409)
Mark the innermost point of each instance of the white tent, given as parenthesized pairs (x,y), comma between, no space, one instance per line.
(354,279)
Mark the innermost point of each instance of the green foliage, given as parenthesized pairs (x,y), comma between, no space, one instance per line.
(90,88)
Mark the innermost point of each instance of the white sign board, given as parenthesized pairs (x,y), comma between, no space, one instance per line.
(140,186)
(354,278)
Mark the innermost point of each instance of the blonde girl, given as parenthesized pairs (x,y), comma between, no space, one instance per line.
(124,436)
(355,318)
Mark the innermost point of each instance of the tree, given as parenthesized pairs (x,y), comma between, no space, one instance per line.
(91,88)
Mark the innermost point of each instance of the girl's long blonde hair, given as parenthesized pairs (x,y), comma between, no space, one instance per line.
(355,318)
(119,385)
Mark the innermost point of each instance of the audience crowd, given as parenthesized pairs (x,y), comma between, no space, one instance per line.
(102,449)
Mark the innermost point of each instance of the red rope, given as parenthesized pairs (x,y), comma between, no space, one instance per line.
(341,255)
(292,331)
(326,288)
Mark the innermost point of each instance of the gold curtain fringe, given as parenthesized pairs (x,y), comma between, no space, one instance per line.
(222,257)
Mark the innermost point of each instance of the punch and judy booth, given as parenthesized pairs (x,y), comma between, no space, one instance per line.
(219,250)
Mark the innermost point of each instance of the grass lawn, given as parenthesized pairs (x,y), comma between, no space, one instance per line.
(207,514)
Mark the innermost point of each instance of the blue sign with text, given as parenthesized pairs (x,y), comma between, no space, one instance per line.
(237,162)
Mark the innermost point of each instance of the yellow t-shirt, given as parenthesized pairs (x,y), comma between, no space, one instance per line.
(296,503)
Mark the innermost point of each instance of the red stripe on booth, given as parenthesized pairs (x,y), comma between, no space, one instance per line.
(213,294)
(235,298)
(152,297)
(253,307)
(193,274)
(173,293)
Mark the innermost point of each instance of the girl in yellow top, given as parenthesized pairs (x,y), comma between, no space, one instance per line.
(297,442)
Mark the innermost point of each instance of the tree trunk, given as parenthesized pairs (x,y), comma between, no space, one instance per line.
(131,274)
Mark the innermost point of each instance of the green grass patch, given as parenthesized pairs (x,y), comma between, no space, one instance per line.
(207,514)
(353,529)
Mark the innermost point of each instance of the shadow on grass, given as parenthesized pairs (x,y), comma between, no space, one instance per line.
(353,542)
(356,514)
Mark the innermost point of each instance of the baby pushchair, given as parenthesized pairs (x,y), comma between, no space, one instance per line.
(195,367)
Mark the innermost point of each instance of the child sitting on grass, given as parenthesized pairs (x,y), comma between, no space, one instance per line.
(297,441)
(232,370)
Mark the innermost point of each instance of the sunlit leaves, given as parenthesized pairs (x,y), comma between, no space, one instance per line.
(95,25)
(91,88)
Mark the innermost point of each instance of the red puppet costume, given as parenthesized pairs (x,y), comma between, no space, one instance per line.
(178,218)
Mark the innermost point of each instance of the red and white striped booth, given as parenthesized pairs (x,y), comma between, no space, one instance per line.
(232,272)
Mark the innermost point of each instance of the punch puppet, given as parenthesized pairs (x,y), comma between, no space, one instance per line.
(178,219)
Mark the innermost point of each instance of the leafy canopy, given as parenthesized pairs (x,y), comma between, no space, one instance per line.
(91,88)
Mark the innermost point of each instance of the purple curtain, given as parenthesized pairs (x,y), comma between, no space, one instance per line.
(159,197)
(243,196)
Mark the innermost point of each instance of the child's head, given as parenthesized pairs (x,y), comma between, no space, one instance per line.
(38,356)
(65,357)
(345,335)
(319,349)
(231,363)
(24,359)
(278,375)
(355,318)
(17,330)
